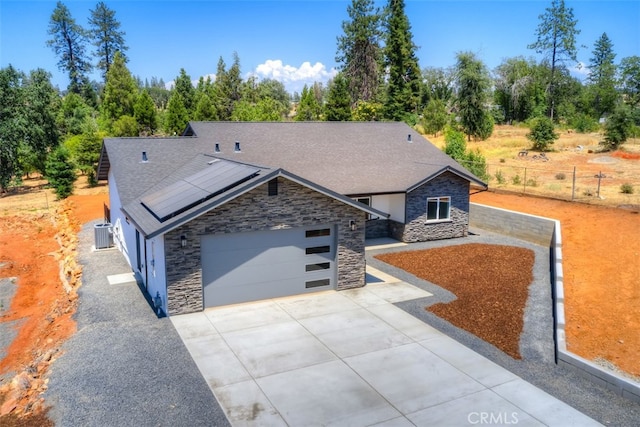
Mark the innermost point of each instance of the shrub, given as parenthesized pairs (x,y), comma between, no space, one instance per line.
(626,188)
(542,133)
(500,177)
(583,123)
(532,182)
(60,172)
(617,128)
(502,160)
(516,180)
(560,176)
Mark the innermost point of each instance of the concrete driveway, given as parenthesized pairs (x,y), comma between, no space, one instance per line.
(353,358)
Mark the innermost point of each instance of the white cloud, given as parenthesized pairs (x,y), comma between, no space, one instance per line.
(294,78)
(580,70)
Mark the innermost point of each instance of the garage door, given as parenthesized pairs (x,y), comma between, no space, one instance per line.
(251,266)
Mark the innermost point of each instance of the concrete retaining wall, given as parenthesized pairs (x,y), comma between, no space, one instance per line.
(545,231)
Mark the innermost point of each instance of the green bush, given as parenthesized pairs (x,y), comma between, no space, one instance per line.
(542,133)
(532,182)
(500,177)
(617,128)
(583,123)
(516,180)
(626,188)
(60,172)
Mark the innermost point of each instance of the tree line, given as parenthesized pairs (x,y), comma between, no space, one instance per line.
(53,132)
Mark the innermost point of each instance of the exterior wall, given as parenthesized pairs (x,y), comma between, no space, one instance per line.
(294,206)
(531,228)
(156,271)
(377,228)
(393,204)
(124,235)
(416,228)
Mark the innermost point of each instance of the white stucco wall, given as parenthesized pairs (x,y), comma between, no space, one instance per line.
(156,268)
(393,204)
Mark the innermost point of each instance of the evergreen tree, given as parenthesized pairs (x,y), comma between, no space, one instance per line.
(602,76)
(120,92)
(104,31)
(359,50)
(73,114)
(403,88)
(60,172)
(556,38)
(473,85)
(308,108)
(205,110)
(144,112)
(13,123)
(270,89)
(177,116)
(227,88)
(187,92)
(338,106)
(435,116)
(68,43)
(630,79)
(41,106)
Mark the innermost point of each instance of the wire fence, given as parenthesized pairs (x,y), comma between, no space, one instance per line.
(591,184)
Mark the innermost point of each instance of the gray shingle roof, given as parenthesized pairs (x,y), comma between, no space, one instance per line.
(339,158)
(348,157)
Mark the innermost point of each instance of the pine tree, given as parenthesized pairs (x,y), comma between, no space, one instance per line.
(403,88)
(473,88)
(106,37)
(556,38)
(359,50)
(68,43)
(602,76)
(187,92)
(308,108)
(120,92)
(177,116)
(630,79)
(338,106)
(144,112)
(60,172)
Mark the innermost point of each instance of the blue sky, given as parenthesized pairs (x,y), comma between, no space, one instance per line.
(295,41)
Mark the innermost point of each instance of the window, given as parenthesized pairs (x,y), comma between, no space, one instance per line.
(317,283)
(318,266)
(438,208)
(318,233)
(318,250)
(273,187)
(364,200)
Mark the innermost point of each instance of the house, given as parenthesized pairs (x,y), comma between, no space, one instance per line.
(235,211)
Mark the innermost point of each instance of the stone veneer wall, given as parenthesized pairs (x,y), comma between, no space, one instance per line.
(417,229)
(376,228)
(294,206)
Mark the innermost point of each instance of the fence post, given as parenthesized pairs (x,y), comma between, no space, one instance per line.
(525,181)
(573,186)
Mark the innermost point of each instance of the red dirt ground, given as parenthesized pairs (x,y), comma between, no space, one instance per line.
(601,262)
(38,246)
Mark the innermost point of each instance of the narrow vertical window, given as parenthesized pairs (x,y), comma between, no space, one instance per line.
(273,187)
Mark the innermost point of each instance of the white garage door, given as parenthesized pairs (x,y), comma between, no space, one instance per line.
(251,266)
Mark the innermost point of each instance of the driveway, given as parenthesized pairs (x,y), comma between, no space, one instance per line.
(354,358)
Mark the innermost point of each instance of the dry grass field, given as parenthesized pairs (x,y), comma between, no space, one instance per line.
(553,177)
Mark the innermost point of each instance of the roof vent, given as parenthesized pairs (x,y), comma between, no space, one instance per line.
(409,138)
(217,149)
(237,149)
(145,159)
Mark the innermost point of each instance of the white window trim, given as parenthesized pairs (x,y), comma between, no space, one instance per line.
(368,198)
(438,219)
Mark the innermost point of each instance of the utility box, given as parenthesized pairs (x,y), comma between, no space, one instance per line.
(103,235)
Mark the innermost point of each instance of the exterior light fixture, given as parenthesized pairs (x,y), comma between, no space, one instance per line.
(183,241)
(352,225)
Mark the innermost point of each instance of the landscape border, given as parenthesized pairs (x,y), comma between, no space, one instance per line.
(547,232)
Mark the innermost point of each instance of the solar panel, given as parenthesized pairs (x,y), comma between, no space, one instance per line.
(218,177)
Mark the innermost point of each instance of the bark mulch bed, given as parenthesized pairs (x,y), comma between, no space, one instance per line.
(490,282)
